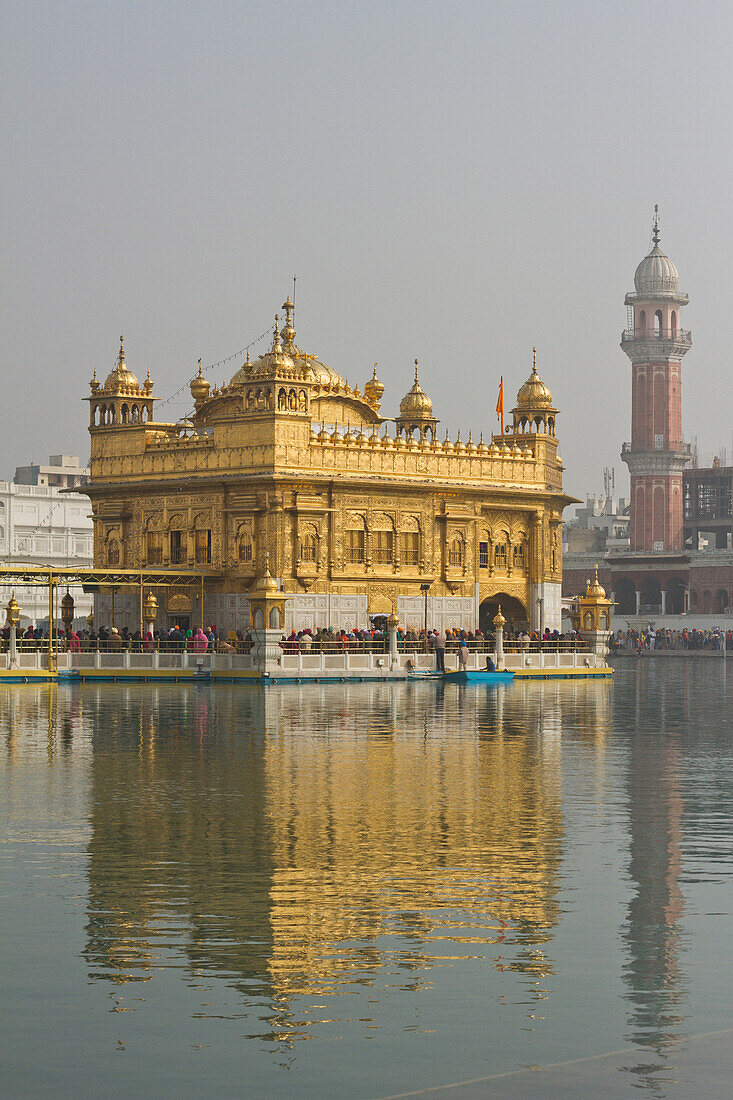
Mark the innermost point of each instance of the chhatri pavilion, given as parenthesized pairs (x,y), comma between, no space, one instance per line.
(353,511)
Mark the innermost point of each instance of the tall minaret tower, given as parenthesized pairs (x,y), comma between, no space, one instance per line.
(656,455)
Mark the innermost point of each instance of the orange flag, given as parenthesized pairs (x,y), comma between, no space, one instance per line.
(500,404)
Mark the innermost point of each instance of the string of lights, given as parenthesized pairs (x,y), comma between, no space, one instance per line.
(213,366)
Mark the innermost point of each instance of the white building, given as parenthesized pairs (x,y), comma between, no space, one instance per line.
(40,525)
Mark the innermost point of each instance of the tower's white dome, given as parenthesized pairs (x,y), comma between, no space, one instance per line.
(656,274)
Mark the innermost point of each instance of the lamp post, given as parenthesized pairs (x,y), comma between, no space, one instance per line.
(499,623)
(13,618)
(150,610)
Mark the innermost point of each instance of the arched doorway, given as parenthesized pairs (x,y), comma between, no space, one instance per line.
(625,597)
(512,609)
(675,601)
(651,595)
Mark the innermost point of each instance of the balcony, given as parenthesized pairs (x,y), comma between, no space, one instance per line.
(656,336)
(673,445)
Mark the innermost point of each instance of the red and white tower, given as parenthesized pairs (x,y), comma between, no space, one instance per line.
(656,455)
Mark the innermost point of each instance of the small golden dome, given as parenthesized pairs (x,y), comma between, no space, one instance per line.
(336,436)
(416,404)
(499,619)
(266,583)
(200,386)
(374,389)
(323,436)
(482,448)
(594,588)
(534,394)
(121,380)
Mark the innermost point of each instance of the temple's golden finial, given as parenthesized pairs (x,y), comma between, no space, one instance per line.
(121,356)
(200,369)
(374,372)
(534,360)
(416,366)
(276,338)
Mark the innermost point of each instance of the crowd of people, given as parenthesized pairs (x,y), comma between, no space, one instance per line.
(198,640)
(192,639)
(665,639)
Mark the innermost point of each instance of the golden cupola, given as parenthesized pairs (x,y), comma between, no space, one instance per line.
(416,411)
(534,409)
(121,401)
(121,379)
(374,390)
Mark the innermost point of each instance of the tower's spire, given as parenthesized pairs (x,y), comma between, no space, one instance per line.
(416,366)
(276,335)
(121,356)
(288,330)
(655,231)
(534,360)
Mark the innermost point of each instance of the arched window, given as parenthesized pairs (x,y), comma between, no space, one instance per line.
(245,548)
(658,323)
(383,547)
(518,558)
(500,555)
(642,320)
(282,400)
(154,547)
(113,552)
(308,547)
(355,539)
(673,322)
(455,552)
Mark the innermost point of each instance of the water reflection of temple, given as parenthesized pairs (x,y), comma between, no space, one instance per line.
(300,840)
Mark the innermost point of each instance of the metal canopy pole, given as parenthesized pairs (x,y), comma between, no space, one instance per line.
(50,621)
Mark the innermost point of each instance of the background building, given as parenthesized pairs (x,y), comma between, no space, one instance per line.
(601,523)
(678,566)
(354,512)
(62,471)
(41,525)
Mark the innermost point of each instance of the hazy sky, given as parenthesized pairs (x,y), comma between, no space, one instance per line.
(453,181)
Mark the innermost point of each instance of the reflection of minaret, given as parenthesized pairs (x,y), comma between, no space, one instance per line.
(652,933)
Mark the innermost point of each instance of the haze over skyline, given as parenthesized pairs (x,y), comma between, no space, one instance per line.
(453,182)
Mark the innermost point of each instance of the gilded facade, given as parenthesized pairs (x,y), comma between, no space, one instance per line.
(353,510)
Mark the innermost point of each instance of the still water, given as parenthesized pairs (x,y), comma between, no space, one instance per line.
(363,890)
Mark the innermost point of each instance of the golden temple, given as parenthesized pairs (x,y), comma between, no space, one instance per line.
(358,514)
